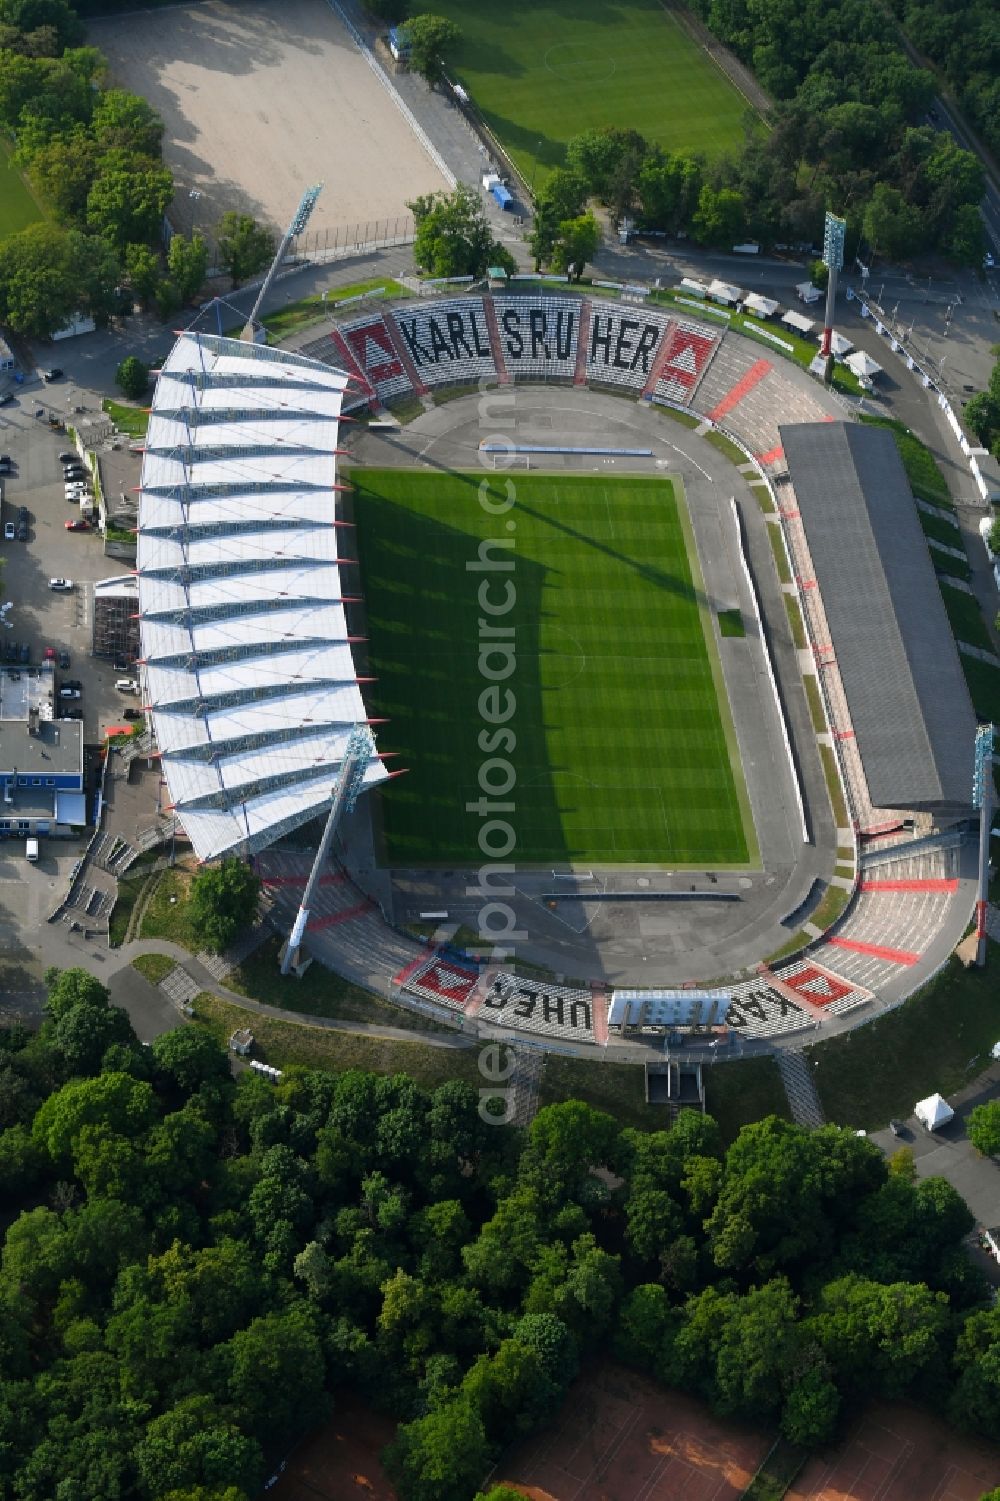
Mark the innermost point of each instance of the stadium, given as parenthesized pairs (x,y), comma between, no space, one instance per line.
(643,627)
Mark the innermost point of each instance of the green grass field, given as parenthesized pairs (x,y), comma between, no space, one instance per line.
(18,208)
(625,752)
(541,71)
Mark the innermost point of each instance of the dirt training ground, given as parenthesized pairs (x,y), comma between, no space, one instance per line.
(259,101)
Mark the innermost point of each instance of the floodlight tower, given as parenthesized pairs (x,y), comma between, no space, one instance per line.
(833,259)
(302,215)
(360,750)
(982,798)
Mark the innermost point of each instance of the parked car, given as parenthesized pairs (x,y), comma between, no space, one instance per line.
(22,513)
(49,654)
(65,692)
(6,398)
(69,457)
(897,1128)
(54,374)
(63,658)
(22,531)
(61,586)
(72,683)
(70,713)
(132,714)
(121,664)
(77,525)
(6,463)
(25,653)
(8,531)
(127,685)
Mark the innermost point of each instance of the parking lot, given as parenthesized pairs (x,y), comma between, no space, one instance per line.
(38,615)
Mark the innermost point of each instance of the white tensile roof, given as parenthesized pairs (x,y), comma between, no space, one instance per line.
(246,659)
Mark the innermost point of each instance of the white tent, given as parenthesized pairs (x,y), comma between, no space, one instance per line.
(806,292)
(697,287)
(761,307)
(799,322)
(933,1112)
(725,292)
(864,367)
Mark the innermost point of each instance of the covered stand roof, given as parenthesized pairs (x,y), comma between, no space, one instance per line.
(905,688)
(247,661)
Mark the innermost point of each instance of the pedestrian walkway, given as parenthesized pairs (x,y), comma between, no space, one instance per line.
(803,1100)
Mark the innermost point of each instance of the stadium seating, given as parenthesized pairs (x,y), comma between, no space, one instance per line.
(759,1011)
(447,342)
(623,344)
(539,336)
(685,357)
(445,982)
(537,1006)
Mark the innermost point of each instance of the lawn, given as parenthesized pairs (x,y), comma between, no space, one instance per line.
(616,722)
(154,967)
(939,1040)
(319,992)
(18,208)
(284,1043)
(984,687)
(127,419)
(966,617)
(542,71)
(167,912)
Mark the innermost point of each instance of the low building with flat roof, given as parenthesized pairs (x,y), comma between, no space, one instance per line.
(41,776)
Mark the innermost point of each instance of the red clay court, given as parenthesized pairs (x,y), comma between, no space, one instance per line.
(900,1453)
(619,1438)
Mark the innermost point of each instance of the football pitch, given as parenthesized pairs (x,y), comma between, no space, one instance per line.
(542,72)
(617,724)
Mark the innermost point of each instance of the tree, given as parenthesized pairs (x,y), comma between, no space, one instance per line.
(577,243)
(454,236)
(63,169)
(191,1444)
(128,199)
(432,42)
(49,274)
(142,268)
(276,1374)
(84,1033)
(892,226)
(245,246)
(442,1456)
(562,197)
(114,1102)
(190,1057)
(223,901)
(720,216)
(126,122)
(668,187)
(188,264)
(983,1128)
(609,160)
(132,377)
(68,988)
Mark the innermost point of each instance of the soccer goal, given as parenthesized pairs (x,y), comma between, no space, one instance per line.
(508,460)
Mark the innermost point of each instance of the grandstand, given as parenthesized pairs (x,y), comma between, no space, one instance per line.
(246,659)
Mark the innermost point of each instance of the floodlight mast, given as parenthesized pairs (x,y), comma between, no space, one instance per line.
(982,797)
(833,259)
(360,750)
(301,218)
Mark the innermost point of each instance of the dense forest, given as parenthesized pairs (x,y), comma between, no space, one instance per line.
(193,1265)
(962,38)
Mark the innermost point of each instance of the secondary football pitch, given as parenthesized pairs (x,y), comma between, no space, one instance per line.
(621,738)
(542,72)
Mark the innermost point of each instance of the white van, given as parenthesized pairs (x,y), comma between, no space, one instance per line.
(986,531)
(31,850)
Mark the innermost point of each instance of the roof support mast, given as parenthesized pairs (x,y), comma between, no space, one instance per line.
(982,796)
(360,750)
(298,224)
